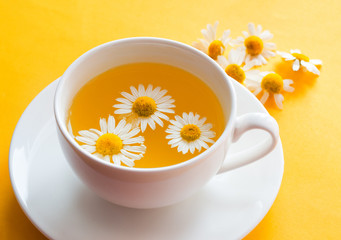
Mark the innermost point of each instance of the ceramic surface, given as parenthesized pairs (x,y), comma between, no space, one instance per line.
(61,207)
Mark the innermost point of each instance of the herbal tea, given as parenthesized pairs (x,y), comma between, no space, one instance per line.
(146,115)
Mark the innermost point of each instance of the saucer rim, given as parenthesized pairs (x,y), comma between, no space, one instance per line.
(53,84)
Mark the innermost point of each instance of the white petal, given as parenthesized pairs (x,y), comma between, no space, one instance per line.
(177,124)
(246,34)
(85,140)
(89,148)
(225,38)
(202,143)
(111,124)
(155,92)
(316,61)
(100,156)
(124,130)
(236,57)
(270,46)
(295,51)
(124,101)
(257,91)
(157,120)
(192,147)
(201,122)
(142,91)
(116,160)
(151,123)
(259,29)
(88,134)
(175,140)
(138,149)
(144,124)
(161,115)
(279,100)
(160,94)
(238,41)
(149,90)
(268,53)
(310,67)
(106,158)
(164,99)
(134,92)
(199,45)
(119,127)
(296,65)
(103,125)
(265,97)
(134,140)
(124,106)
(131,155)
(222,61)
(131,134)
(128,96)
(99,133)
(266,35)
(126,161)
(286,85)
(286,56)
(252,29)
(122,111)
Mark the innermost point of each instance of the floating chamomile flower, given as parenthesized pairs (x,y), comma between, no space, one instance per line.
(232,66)
(254,47)
(118,144)
(145,106)
(210,45)
(269,83)
(189,132)
(300,59)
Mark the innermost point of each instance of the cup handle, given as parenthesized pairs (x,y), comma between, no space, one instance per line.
(243,124)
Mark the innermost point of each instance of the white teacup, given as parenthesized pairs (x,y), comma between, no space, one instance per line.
(157,187)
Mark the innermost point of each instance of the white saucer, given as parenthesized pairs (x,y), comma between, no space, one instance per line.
(61,207)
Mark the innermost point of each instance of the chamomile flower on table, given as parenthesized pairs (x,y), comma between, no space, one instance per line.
(145,106)
(189,132)
(270,84)
(118,144)
(301,60)
(233,66)
(210,45)
(254,47)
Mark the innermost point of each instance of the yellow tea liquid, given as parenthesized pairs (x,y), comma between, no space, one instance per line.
(95,100)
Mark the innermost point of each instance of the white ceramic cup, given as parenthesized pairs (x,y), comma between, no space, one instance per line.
(157,187)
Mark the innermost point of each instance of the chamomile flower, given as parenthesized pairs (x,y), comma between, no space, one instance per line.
(189,132)
(233,66)
(145,106)
(301,60)
(113,143)
(210,45)
(254,46)
(270,84)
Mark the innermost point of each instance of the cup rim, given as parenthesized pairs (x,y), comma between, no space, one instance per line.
(62,124)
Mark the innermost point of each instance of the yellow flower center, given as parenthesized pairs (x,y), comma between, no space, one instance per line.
(144,106)
(300,56)
(109,144)
(215,49)
(190,132)
(235,72)
(272,83)
(254,45)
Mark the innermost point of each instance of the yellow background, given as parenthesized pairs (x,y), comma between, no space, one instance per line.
(40,39)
